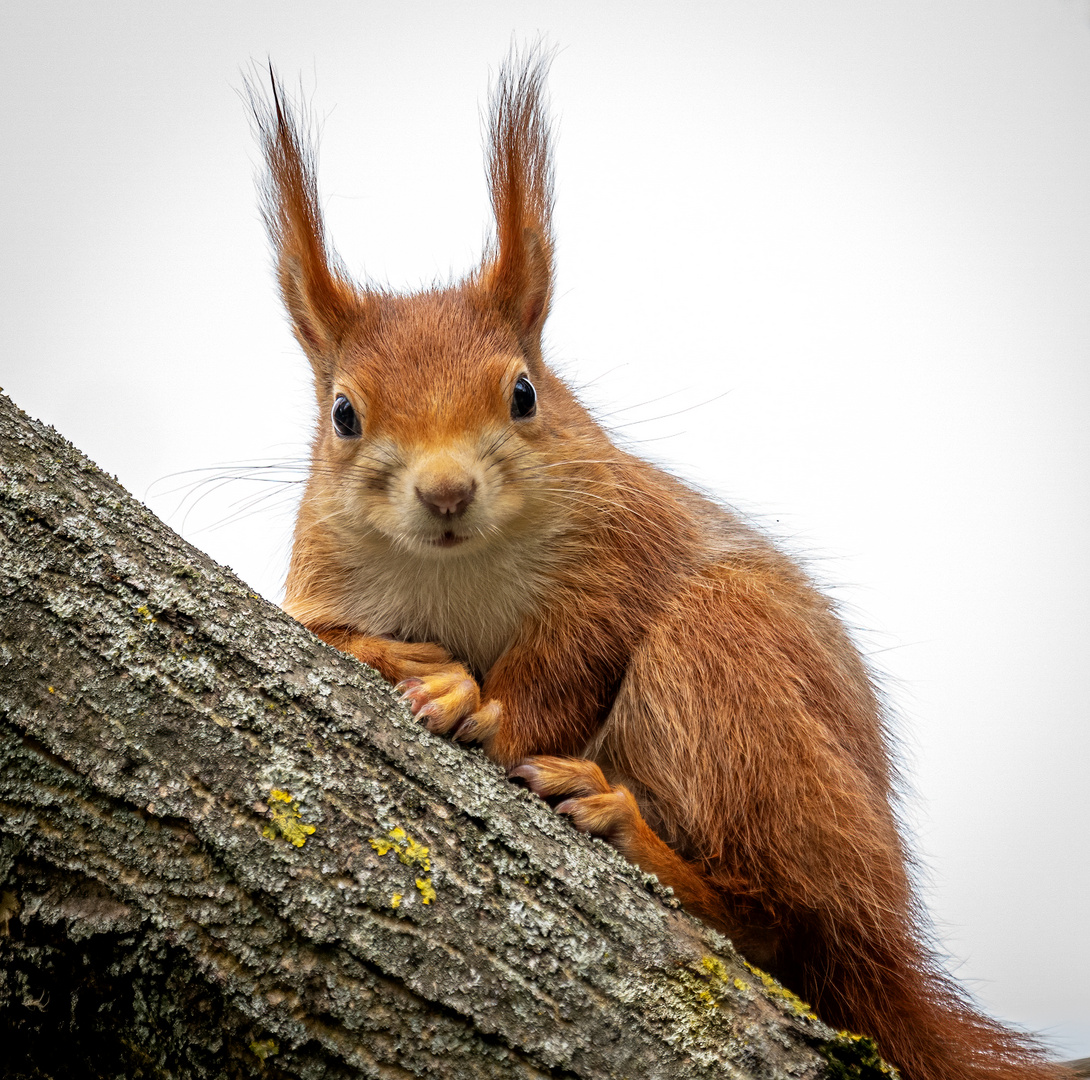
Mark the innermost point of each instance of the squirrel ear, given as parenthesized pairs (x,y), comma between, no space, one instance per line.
(518,273)
(317,293)
(320,303)
(519,284)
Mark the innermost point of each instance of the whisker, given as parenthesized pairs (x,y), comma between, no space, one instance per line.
(666,416)
(640,404)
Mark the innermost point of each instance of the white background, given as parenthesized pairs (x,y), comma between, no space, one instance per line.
(856,235)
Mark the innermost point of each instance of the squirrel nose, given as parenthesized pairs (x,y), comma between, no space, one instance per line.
(448,500)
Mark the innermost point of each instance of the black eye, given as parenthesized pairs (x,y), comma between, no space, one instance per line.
(345,421)
(523,399)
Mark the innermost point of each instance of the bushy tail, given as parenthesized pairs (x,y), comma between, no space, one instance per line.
(923,1022)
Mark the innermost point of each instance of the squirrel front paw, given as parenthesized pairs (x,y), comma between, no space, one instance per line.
(449,703)
(592,804)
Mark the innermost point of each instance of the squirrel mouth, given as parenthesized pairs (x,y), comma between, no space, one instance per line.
(448,539)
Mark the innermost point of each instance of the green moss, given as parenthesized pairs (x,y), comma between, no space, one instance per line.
(286,819)
(854,1057)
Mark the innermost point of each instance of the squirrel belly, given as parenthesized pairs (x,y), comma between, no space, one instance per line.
(603,631)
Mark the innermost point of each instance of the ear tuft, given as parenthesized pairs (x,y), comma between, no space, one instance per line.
(518,271)
(317,293)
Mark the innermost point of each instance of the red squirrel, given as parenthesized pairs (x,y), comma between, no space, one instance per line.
(604,632)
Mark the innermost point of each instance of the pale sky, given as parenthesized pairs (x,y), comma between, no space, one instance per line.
(855,236)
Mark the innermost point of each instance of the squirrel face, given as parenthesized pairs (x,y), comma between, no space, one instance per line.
(451,469)
(429,438)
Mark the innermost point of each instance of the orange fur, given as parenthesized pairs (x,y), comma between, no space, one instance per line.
(605,632)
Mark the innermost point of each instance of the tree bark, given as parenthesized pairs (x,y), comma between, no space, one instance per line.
(227,850)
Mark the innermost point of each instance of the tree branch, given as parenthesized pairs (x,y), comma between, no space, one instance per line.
(228,851)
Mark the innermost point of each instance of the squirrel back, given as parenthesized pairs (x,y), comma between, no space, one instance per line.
(605,632)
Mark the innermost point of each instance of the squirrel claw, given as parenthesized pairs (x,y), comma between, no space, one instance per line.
(546,776)
(611,815)
(591,803)
(442,700)
(481,726)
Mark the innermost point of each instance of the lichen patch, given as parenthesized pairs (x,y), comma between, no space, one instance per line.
(854,1057)
(287,819)
(264,1048)
(409,853)
(781,993)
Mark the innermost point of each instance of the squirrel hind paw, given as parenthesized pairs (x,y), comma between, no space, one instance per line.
(611,816)
(480,726)
(547,776)
(586,798)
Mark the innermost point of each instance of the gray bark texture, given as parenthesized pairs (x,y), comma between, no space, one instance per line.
(226,850)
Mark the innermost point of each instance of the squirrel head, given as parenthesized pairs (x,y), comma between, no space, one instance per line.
(437,417)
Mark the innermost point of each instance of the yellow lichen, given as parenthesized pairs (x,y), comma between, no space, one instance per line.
(741,984)
(854,1057)
(395,900)
(700,995)
(415,855)
(264,1048)
(409,852)
(715,967)
(775,990)
(286,819)
(718,982)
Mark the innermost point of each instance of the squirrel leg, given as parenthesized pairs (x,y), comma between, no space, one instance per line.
(394,660)
(612,813)
(450,704)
